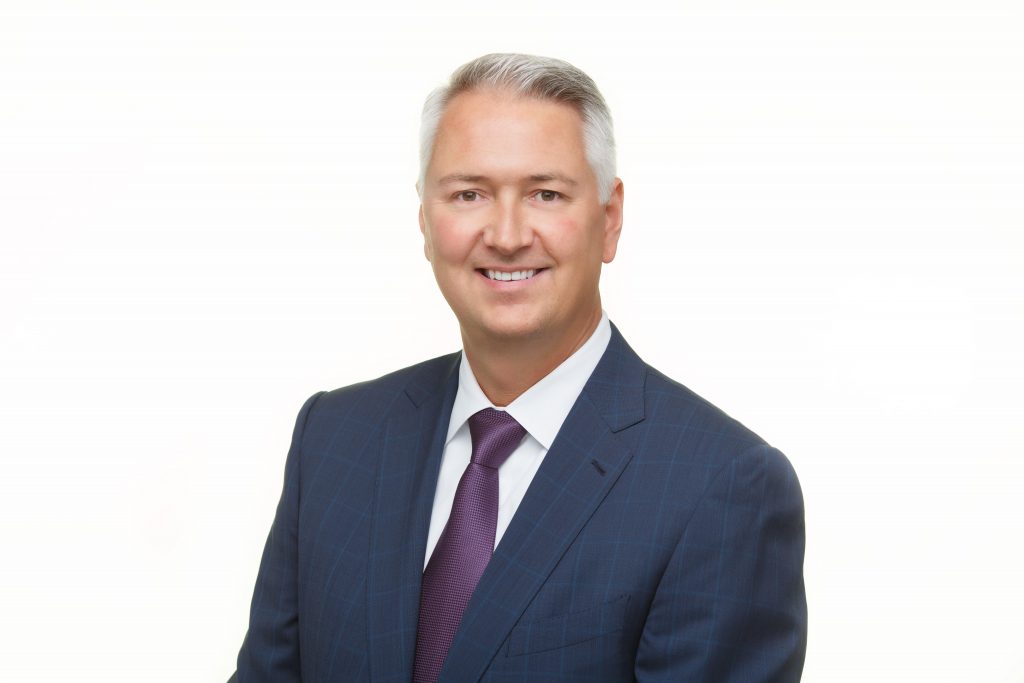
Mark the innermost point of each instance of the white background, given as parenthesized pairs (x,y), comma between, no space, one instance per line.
(207,213)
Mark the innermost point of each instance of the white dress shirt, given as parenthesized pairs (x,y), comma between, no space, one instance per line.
(541,410)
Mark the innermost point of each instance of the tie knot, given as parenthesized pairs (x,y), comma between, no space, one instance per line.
(495,435)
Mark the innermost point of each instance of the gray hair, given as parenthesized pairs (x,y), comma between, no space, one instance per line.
(530,76)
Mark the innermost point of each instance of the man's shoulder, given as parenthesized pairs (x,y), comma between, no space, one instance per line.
(371,397)
(683,426)
(672,402)
(625,383)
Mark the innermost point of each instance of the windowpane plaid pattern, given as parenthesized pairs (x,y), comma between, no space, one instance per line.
(659,541)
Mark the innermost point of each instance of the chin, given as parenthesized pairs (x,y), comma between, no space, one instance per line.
(510,331)
(509,327)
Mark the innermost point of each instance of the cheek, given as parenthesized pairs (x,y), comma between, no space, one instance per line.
(573,241)
(557,233)
(449,251)
(447,240)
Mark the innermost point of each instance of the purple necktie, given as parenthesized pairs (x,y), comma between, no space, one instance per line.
(466,544)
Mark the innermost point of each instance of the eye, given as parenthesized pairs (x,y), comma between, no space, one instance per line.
(467,196)
(547,195)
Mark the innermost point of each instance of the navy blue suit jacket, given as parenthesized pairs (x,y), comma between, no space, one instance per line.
(659,541)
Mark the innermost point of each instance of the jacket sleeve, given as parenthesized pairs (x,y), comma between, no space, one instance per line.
(730,606)
(270,651)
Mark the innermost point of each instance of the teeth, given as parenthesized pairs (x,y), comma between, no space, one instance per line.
(514,275)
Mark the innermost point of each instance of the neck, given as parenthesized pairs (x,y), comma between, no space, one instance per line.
(505,368)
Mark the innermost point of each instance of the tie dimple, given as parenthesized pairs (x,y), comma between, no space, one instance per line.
(495,435)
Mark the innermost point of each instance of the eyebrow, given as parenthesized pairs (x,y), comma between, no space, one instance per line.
(461,178)
(547,177)
(534,178)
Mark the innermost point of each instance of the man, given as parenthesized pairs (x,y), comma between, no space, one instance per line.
(542,506)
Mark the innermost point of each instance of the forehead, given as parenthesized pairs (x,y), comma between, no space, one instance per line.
(501,128)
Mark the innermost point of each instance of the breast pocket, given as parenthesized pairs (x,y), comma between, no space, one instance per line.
(560,631)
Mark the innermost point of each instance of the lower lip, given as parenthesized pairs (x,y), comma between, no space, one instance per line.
(511,285)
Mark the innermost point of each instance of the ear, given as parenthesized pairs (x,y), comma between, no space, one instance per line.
(427,251)
(612,222)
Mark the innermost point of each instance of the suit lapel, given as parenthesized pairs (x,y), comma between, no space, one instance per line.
(410,458)
(588,455)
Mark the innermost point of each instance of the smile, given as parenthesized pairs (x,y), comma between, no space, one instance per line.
(509,275)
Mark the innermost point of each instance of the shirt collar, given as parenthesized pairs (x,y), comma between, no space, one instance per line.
(542,408)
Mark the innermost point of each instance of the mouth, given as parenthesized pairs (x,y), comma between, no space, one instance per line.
(510,275)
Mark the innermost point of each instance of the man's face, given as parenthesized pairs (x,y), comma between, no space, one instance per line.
(512,222)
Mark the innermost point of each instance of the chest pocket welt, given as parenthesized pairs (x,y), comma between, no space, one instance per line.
(551,633)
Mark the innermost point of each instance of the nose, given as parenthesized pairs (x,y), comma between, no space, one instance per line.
(507,230)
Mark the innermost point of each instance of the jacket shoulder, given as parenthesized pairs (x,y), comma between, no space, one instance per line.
(701,426)
(684,427)
(367,402)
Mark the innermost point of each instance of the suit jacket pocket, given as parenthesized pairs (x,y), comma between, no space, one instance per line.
(551,633)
